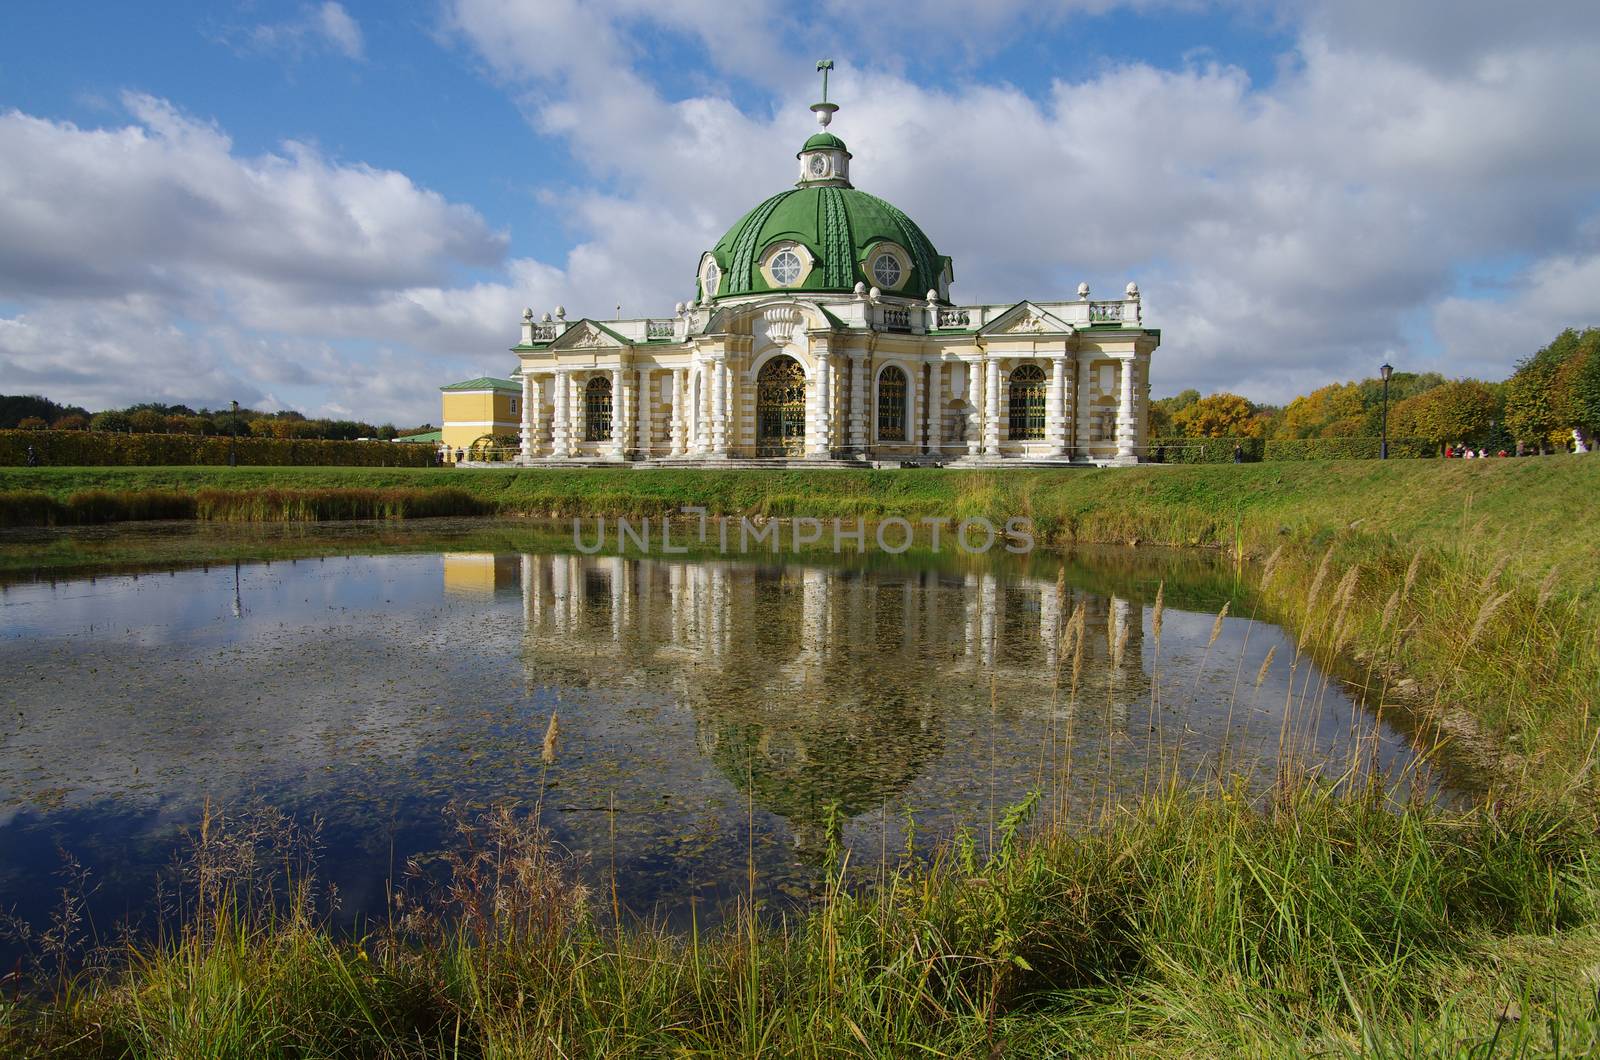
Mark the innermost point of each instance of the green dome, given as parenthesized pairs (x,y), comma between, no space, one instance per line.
(839,226)
(825,141)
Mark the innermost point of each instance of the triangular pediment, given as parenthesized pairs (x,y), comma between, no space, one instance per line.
(1025,318)
(588,335)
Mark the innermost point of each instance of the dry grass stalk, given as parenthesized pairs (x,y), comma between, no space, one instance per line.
(551,734)
(1159,613)
(1492,579)
(1266,664)
(1271,566)
(1121,646)
(1316,583)
(1547,587)
(1412,570)
(1390,608)
(1486,612)
(1077,645)
(1216,627)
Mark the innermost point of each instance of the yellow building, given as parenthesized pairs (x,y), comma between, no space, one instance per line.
(478,407)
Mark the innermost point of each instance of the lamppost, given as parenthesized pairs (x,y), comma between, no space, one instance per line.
(233,437)
(1385,370)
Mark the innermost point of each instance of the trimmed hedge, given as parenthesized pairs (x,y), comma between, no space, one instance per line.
(1220,450)
(93,507)
(102,448)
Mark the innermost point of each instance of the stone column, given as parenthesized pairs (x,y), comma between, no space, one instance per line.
(527,417)
(1055,416)
(936,407)
(991,402)
(561,432)
(818,408)
(974,371)
(1069,405)
(619,415)
(719,406)
(1125,428)
(860,419)
(680,411)
(645,442)
(1081,424)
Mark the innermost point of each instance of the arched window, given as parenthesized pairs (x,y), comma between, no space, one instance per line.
(892,405)
(597,409)
(1027,403)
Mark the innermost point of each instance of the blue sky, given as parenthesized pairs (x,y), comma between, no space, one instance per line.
(337,207)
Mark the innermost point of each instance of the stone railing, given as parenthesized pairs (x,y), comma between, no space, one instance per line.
(1105,312)
(896,318)
(954,318)
(658,329)
(546,332)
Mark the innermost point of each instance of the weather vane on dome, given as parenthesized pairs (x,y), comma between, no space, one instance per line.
(824,110)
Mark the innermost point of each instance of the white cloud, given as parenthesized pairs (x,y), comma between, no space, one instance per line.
(152,262)
(327,25)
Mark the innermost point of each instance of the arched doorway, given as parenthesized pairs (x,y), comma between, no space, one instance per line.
(1026,403)
(781,408)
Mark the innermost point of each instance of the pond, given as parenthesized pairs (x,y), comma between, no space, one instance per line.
(713,713)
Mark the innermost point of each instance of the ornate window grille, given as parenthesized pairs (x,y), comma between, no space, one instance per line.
(892,405)
(597,410)
(1027,403)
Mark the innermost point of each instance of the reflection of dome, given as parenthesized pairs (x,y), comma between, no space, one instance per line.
(841,235)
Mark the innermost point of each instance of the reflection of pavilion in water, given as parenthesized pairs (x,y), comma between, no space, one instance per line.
(812,685)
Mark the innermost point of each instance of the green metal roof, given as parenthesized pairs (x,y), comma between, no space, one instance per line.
(485,382)
(839,226)
(425,436)
(825,141)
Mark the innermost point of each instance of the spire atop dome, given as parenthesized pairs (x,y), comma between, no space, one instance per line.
(824,159)
(824,110)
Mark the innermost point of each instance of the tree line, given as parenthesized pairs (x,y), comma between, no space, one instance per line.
(1548,396)
(32,412)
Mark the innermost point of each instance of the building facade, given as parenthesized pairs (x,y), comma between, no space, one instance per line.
(822,330)
(475,409)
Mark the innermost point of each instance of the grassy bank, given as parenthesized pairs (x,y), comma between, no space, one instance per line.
(1324,923)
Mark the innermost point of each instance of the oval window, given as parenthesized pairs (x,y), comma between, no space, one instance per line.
(886,270)
(786,267)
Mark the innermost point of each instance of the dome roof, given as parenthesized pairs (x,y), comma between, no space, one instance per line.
(839,226)
(824,141)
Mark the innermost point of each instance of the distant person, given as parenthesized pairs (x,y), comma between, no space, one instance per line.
(460,454)
(1238,453)
(1161,454)
(33,457)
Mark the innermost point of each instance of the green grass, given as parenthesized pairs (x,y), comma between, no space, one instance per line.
(1317,922)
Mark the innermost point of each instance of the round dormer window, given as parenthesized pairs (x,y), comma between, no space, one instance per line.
(819,165)
(886,271)
(710,277)
(786,267)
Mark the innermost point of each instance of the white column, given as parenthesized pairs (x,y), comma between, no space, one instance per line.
(817,406)
(561,432)
(699,394)
(935,411)
(680,411)
(1080,427)
(527,417)
(1125,441)
(646,415)
(914,401)
(991,404)
(1069,405)
(618,415)
(719,406)
(1055,416)
(974,374)
(859,417)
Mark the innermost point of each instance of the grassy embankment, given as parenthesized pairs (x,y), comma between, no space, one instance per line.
(1314,920)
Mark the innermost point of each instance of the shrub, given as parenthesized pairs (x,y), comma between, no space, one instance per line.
(1220,450)
(98,448)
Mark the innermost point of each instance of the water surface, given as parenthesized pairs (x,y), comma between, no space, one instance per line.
(711,712)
